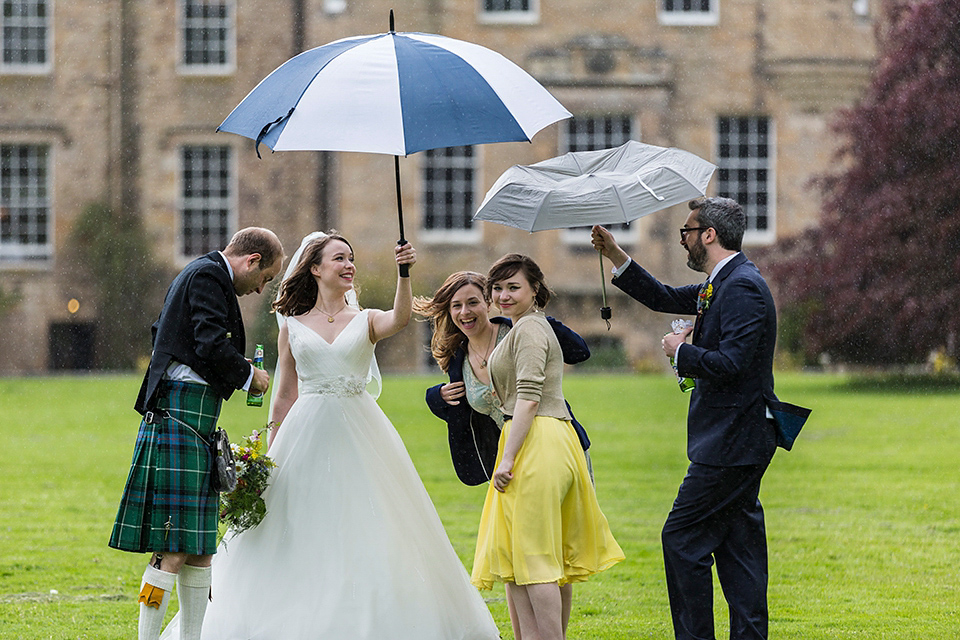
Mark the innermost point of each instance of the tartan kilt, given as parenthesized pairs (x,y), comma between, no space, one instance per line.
(168,503)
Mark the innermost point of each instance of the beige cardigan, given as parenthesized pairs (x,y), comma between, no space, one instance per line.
(528,365)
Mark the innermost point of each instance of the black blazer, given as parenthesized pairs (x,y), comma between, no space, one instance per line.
(473,436)
(200,326)
(731,357)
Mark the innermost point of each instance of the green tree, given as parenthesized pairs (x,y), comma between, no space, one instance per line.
(879,280)
(8,300)
(112,250)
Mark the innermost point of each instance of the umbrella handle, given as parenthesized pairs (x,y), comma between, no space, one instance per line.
(605,312)
(404,268)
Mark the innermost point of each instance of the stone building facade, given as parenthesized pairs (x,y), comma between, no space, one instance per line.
(118,101)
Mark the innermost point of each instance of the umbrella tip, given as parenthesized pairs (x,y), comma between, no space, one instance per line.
(391,21)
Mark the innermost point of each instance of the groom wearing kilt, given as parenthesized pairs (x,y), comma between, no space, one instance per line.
(169,506)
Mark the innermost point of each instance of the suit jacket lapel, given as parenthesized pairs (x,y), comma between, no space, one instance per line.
(239,339)
(727,269)
(216,257)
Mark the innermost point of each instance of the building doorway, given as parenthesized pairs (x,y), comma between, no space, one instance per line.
(71,346)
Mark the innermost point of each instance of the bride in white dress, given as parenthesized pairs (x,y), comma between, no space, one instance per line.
(351,547)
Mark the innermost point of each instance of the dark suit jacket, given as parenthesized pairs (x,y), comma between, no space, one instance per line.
(473,436)
(200,326)
(731,357)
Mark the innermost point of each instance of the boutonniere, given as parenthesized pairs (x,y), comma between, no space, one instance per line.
(704,297)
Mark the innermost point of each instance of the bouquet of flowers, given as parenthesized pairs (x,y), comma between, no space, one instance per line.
(243,508)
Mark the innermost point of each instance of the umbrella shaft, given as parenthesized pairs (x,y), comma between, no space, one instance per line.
(404,268)
(396,167)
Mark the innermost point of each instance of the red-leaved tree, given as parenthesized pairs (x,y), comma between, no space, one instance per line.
(878,282)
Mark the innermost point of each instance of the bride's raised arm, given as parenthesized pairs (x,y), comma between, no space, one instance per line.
(285,379)
(384,324)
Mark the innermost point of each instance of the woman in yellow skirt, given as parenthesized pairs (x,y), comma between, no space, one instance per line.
(541,529)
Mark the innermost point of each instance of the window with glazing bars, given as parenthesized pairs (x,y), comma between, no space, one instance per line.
(206,199)
(448,183)
(494,6)
(25,215)
(25,32)
(206,33)
(687,6)
(744,170)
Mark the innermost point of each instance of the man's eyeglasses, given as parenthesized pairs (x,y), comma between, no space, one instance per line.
(685,230)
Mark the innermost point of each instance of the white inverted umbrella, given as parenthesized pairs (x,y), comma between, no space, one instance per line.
(584,188)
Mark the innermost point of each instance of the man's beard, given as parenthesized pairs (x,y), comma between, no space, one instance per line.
(697,256)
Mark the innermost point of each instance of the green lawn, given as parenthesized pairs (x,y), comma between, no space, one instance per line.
(862,517)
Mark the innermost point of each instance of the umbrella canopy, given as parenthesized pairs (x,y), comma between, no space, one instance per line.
(585,188)
(394,93)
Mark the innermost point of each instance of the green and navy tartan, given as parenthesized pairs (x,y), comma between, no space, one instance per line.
(168,503)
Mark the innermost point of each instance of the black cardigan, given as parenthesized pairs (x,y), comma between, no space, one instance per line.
(473,436)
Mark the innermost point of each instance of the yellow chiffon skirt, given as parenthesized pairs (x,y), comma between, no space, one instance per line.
(547,526)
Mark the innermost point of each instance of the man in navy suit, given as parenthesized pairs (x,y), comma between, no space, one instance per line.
(169,507)
(716,516)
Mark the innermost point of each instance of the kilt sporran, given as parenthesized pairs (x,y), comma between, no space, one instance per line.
(224,478)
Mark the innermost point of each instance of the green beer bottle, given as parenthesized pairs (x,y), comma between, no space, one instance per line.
(255,399)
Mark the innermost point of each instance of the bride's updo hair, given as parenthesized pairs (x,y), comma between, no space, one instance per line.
(447,337)
(298,293)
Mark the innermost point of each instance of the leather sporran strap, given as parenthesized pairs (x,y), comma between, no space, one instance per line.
(151,418)
(224,476)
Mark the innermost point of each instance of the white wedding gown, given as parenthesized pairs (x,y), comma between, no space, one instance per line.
(351,547)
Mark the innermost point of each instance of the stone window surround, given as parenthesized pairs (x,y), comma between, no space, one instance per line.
(747,160)
(229,24)
(469,165)
(199,206)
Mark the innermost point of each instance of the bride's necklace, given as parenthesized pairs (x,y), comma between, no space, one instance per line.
(483,360)
(330,317)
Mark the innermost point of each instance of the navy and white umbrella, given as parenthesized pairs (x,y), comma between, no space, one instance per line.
(394,93)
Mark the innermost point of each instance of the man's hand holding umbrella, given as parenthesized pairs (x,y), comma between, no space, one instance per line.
(603,242)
